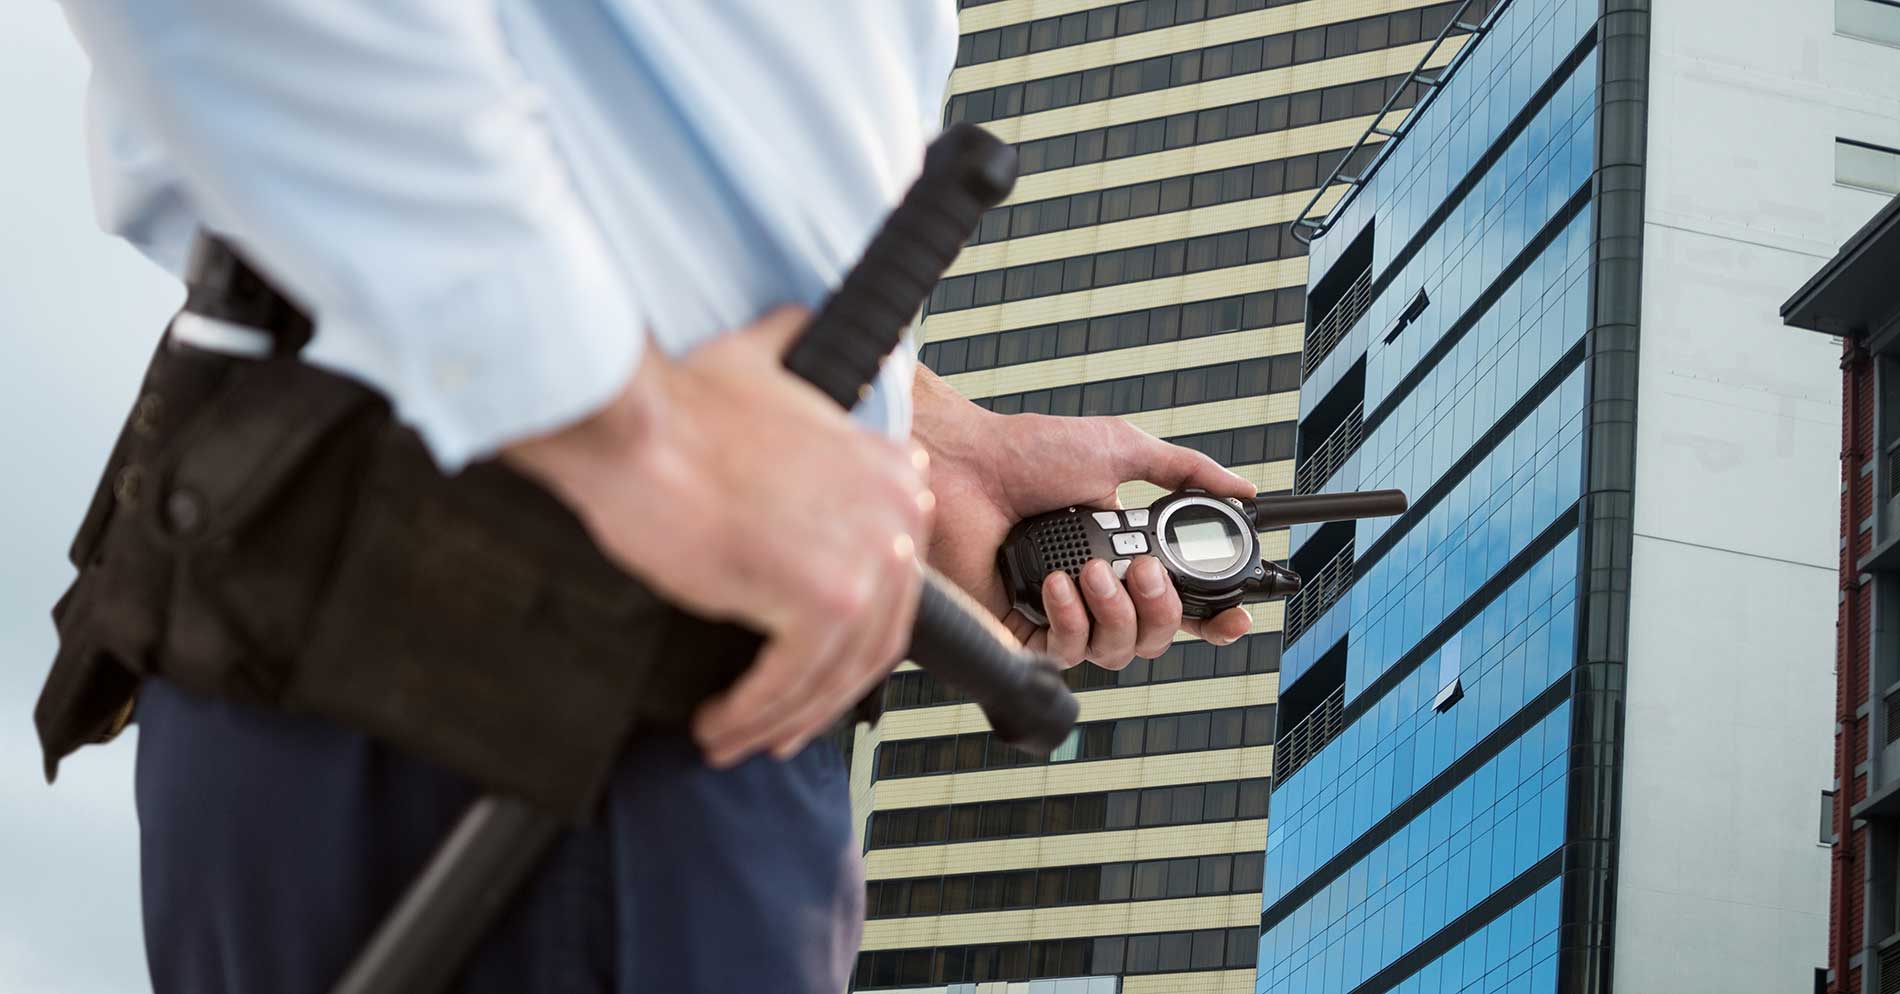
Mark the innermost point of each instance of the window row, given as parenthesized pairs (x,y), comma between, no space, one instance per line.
(1113,21)
(1056,886)
(1195,660)
(1328,41)
(1226,728)
(1114,268)
(1156,391)
(1262,309)
(1244,446)
(1254,117)
(1150,807)
(1180,193)
(1162,952)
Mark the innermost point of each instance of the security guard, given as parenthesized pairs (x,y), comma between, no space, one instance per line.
(572,238)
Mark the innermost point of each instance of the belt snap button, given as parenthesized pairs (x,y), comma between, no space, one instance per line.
(184,511)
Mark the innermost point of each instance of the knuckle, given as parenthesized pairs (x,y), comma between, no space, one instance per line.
(841,597)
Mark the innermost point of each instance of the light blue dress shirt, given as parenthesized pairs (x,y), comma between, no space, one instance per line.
(492,206)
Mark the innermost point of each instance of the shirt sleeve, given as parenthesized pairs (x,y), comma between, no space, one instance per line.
(388,165)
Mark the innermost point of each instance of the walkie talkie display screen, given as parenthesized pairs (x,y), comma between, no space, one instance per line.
(1207,545)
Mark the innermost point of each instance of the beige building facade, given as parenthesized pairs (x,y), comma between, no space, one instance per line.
(1144,268)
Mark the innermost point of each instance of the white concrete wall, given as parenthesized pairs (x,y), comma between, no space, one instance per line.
(1723,886)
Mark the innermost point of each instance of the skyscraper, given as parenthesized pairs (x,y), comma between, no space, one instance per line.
(1563,724)
(1145,268)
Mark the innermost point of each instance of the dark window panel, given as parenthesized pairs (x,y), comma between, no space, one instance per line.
(1148,137)
(1404,27)
(1209,949)
(1015,41)
(1144,952)
(1155,807)
(1174,956)
(1249,56)
(1253,799)
(1309,44)
(1044,34)
(1243,946)
(1335,102)
(1182,877)
(1221,801)
(1151,880)
(1175,194)
(1017,283)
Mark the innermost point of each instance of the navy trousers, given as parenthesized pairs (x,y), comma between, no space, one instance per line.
(272,845)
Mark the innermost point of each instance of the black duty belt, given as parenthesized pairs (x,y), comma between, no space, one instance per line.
(267,531)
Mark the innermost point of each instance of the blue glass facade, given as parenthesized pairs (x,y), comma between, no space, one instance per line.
(1427,722)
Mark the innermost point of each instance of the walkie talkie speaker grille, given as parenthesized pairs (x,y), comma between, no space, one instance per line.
(1064,545)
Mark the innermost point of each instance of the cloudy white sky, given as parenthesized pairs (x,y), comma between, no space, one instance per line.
(78,314)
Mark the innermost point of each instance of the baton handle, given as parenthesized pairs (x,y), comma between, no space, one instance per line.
(1022,694)
(966,171)
(421,946)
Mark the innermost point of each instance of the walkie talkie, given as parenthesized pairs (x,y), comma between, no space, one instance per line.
(1209,545)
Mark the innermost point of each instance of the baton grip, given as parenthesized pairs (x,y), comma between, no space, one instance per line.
(1021,693)
(966,171)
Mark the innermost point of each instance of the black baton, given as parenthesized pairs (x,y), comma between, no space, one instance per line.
(423,943)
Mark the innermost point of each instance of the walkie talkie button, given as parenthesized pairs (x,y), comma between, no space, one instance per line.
(1120,566)
(1108,519)
(1130,543)
(1137,518)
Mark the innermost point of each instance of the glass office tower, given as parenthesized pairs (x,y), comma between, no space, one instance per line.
(1143,268)
(1562,725)
(1439,749)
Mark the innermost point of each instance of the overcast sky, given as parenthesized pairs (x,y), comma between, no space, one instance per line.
(78,314)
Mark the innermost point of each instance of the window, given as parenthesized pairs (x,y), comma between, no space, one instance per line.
(1175,131)
(1828,837)
(1867,166)
(1170,388)
(1252,654)
(1038,816)
(1869,20)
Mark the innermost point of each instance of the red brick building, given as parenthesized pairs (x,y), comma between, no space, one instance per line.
(1856,297)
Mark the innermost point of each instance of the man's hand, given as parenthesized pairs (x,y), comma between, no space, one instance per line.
(742,494)
(992,471)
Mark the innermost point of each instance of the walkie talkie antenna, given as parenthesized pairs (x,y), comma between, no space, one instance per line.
(1278,510)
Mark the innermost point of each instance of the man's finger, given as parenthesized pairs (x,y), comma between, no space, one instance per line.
(1021,627)
(1157,607)
(864,660)
(1112,637)
(1224,628)
(1068,634)
(1172,467)
(731,726)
